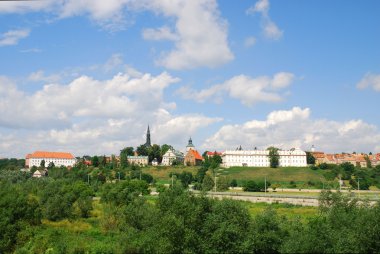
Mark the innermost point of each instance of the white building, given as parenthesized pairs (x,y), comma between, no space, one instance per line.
(260,158)
(58,158)
(138,160)
(172,155)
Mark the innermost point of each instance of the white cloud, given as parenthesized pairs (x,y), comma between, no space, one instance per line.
(270,28)
(162,33)
(12,37)
(92,116)
(250,41)
(247,90)
(370,80)
(40,76)
(200,33)
(295,128)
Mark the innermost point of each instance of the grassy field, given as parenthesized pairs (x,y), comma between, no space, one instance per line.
(161,173)
(282,176)
(287,210)
(285,174)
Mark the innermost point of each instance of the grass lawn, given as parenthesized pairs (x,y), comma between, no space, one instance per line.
(278,175)
(287,210)
(161,173)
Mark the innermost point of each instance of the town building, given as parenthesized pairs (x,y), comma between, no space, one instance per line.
(192,157)
(172,155)
(40,173)
(58,158)
(358,160)
(211,154)
(138,160)
(260,158)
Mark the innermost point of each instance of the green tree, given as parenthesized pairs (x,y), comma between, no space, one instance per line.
(51,165)
(310,159)
(142,150)
(155,152)
(207,183)
(165,148)
(42,164)
(186,178)
(251,186)
(274,158)
(368,161)
(95,161)
(124,153)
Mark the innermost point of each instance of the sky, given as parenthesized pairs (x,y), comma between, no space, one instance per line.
(88,76)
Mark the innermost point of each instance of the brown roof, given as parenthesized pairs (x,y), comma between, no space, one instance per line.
(56,155)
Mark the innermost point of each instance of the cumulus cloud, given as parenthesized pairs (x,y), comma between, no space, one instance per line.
(370,80)
(12,37)
(92,116)
(247,90)
(270,29)
(200,33)
(295,128)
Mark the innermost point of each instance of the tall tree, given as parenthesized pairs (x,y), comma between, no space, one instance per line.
(155,152)
(310,159)
(274,157)
(95,161)
(142,150)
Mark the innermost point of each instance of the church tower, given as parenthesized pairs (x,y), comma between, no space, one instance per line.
(190,145)
(147,143)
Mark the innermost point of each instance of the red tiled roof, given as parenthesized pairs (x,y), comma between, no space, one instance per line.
(197,156)
(318,155)
(213,153)
(56,155)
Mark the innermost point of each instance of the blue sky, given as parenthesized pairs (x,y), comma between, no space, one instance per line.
(88,76)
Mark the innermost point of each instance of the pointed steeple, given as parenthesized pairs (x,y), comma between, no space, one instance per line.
(190,145)
(147,143)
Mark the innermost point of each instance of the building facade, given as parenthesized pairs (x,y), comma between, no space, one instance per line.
(138,160)
(260,158)
(172,155)
(193,158)
(58,158)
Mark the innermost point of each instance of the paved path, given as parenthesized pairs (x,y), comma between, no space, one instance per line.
(304,201)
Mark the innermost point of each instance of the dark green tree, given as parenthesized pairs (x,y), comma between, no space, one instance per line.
(310,159)
(274,158)
(95,161)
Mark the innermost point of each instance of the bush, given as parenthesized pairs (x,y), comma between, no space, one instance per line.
(233,183)
(251,186)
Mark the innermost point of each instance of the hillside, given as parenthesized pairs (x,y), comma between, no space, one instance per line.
(275,175)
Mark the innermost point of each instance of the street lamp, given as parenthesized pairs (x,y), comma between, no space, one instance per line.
(359,186)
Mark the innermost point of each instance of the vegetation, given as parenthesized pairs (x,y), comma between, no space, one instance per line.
(108,209)
(274,157)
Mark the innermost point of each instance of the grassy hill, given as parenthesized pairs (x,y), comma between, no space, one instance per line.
(283,174)
(274,175)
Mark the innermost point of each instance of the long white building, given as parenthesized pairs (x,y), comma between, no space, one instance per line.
(260,158)
(58,158)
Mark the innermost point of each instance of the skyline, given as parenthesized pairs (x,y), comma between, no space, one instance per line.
(88,76)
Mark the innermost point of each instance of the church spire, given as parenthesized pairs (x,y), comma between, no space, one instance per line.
(147,143)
